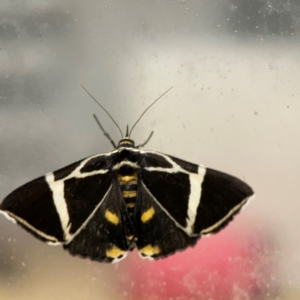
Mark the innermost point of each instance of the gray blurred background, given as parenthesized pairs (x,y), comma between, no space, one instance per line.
(234,65)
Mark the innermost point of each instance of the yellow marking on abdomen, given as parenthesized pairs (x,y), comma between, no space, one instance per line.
(127,179)
(130,205)
(129,194)
(150,250)
(115,252)
(111,217)
(148,215)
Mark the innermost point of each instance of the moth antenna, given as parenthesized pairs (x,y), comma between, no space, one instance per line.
(103,109)
(148,108)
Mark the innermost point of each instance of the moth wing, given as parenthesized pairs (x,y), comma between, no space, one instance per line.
(222,197)
(106,235)
(187,199)
(157,234)
(55,206)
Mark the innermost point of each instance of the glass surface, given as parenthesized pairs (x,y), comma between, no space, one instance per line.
(234,107)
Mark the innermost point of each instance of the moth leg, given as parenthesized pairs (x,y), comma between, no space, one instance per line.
(148,139)
(104,132)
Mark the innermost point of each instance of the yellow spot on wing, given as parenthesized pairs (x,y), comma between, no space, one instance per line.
(148,214)
(115,252)
(111,217)
(149,250)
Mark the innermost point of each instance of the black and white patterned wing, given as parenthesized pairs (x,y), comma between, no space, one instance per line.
(62,206)
(106,235)
(157,231)
(178,202)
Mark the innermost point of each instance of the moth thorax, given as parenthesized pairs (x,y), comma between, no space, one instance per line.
(126,142)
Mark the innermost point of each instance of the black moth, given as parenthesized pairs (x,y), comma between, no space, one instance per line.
(105,205)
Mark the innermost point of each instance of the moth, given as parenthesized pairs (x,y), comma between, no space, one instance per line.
(106,205)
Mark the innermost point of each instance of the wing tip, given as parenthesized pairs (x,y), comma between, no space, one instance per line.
(7,215)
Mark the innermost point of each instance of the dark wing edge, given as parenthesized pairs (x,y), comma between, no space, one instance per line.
(223,197)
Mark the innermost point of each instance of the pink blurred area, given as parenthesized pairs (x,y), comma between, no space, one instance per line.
(229,265)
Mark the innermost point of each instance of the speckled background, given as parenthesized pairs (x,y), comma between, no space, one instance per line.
(234,107)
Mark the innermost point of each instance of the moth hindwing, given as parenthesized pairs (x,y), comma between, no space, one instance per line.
(106,205)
